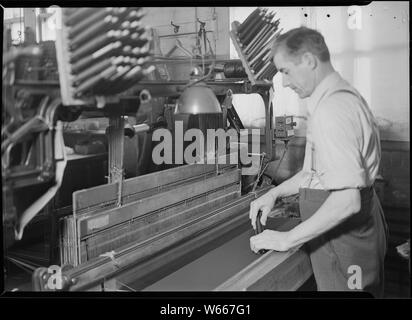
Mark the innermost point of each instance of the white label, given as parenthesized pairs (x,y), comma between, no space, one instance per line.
(98,222)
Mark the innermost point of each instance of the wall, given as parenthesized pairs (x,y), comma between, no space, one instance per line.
(375,58)
(216,19)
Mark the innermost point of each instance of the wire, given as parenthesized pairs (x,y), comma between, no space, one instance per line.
(202,78)
(281,159)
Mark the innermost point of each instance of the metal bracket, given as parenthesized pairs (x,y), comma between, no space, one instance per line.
(227,104)
(175,27)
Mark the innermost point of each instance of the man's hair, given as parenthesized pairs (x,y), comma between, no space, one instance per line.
(297,41)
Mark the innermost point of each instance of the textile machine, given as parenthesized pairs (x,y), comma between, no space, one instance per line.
(182,228)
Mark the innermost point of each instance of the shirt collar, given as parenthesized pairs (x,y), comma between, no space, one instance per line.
(322,88)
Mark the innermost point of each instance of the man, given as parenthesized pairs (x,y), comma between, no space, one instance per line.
(342,220)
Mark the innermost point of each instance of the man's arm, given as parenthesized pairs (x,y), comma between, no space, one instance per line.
(290,186)
(339,206)
(266,202)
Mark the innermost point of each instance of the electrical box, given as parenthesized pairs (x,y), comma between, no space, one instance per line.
(284,127)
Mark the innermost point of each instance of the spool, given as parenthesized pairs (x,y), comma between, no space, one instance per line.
(234,69)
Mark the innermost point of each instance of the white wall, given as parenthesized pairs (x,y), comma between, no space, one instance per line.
(375,59)
(216,19)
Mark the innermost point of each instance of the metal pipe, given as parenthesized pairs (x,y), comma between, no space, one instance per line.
(269,73)
(137,76)
(253,54)
(108,86)
(257,66)
(111,48)
(249,34)
(140,52)
(137,40)
(250,17)
(121,12)
(251,25)
(136,24)
(97,43)
(96,29)
(78,15)
(258,36)
(95,17)
(271,38)
(258,44)
(268,44)
(260,54)
(252,35)
(266,65)
(96,68)
(136,14)
(91,82)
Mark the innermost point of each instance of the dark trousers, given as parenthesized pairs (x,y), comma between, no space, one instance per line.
(356,247)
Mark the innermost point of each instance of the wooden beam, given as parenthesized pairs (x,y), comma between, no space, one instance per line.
(87,200)
(89,224)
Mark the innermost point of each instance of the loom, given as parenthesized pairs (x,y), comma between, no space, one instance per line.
(149,233)
(184,228)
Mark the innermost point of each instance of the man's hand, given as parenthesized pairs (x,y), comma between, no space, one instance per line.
(264,203)
(270,240)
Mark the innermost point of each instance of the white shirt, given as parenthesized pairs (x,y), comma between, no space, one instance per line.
(342,142)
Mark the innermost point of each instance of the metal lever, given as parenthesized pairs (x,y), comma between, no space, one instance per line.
(259,229)
(175,27)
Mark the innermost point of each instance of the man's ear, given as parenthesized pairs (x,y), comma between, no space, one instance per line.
(310,60)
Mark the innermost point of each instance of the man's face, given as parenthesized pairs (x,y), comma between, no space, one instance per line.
(297,75)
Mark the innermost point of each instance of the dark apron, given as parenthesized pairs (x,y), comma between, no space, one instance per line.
(361,240)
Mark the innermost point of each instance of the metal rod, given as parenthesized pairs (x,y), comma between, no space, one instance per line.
(258,18)
(98,15)
(136,14)
(249,34)
(267,64)
(88,84)
(79,15)
(140,52)
(105,51)
(259,64)
(250,17)
(258,44)
(97,43)
(108,86)
(274,35)
(260,54)
(96,68)
(269,73)
(258,36)
(92,32)
(253,54)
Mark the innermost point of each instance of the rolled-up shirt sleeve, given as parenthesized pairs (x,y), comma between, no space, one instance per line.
(336,135)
